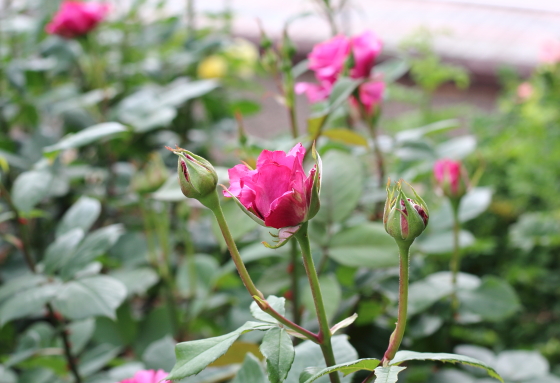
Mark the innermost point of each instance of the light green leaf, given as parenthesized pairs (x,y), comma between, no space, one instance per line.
(341,91)
(404,356)
(30,301)
(82,214)
(62,250)
(365,245)
(346,136)
(94,245)
(456,148)
(19,284)
(160,354)
(278,349)
(30,188)
(392,69)
(180,91)
(368,364)
(251,371)
(274,302)
(436,127)
(169,191)
(309,354)
(442,242)
(387,374)
(8,376)
(332,294)
(99,295)
(87,136)
(136,281)
(341,186)
(493,300)
(80,334)
(194,356)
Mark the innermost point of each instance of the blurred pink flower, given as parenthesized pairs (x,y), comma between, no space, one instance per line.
(524,91)
(365,48)
(550,52)
(327,58)
(147,376)
(451,177)
(371,94)
(314,92)
(277,191)
(76,18)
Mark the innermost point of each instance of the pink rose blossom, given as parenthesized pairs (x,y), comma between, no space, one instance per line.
(450,177)
(327,58)
(314,92)
(76,18)
(147,376)
(365,48)
(371,94)
(550,52)
(277,191)
(524,91)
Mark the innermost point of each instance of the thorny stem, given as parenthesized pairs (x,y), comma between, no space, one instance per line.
(25,248)
(324,330)
(213,204)
(456,256)
(397,336)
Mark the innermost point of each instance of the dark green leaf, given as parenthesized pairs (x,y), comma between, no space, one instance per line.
(96,358)
(278,349)
(403,356)
(368,364)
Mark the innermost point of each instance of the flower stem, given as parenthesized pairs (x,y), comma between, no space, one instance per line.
(324,329)
(294,259)
(456,256)
(397,335)
(213,203)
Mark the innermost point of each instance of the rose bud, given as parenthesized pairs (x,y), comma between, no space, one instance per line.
(197,177)
(277,193)
(404,218)
(451,178)
(76,18)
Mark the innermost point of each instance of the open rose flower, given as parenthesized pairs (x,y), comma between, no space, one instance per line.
(327,58)
(76,18)
(365,48)
(147,376)
(371,94)
(451,178)
(277,193)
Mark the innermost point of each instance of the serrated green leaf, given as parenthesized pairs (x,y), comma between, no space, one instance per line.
(87,136)
(403,356)
(368,364)
(30,188)
(19,284)
(493,300)
(82,214)
(278,349)
(194,356)
(251,371)
(62,250)
(99,295)
(387,374)
(274,302)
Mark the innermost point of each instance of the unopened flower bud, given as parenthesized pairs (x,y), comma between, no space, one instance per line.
(197,177)
(404,218)
(451,178)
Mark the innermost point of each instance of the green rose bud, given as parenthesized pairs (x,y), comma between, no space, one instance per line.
(404,218)
(197,176)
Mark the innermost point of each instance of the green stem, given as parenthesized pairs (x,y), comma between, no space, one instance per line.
(213,203)
(324,329)
(456,256)
(290,97)
(397,336)
(294,259)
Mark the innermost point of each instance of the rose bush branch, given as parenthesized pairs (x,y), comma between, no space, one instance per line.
(26,250)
